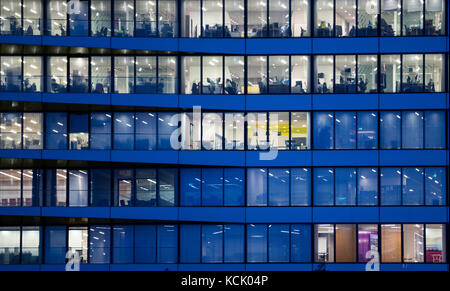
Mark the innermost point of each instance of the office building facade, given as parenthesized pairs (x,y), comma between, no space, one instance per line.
(233,135)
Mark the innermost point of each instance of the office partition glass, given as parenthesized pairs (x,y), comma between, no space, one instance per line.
(101,18)
(391,23)
(124,18)
(391,243)
(323,74)
(32,74)
(413,243)
(324,16)
(190,18)
(390,69)
(345,243)
(300,18)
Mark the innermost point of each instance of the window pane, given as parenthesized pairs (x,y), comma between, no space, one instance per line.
(391,243)
(11,73)
(101,18)
(412,130)
(191,18)
(190,185)
(234,131)
(32,130)
(367,241)
(390,130)
(190,243)
(279,243)
(123,247)
(123,131)
(435,243)
(345,184)
(78,242)
(78,188)
(279,19)
(434,129)
(145,135)
(145,18)
(123,18)
(324,18)
(79,75)
(146,73)
(300,187)
(256,243)
(256,74)
(257,18)
(412,80)
(367,17)
(300,243)
(146,187)
(390,186)
(167,123)
(167,22)
(323,130)
(300,71)
(167,187)
(257,131)
(99,244)
(345,243)
(300,18)
(390,74)
(57,17)
(10,245)
(413,186)
(32,184)
(145,243)
(345,18)
(57,74)
(123,187)
(212,16)
(167,75)
(212,187)
(234,184)
(324,243)
(367,186)
(234,243)
(10,187)
(434,74)
(55,245)
(435,186)
(434,17)
(323,186)
(391,12)
(212,75)
(212,131)
(345,130)
(279,74)
(212,243)
(256,187)
(32,72)
(167,244)
(323,73)
(279,130)
(367,73)
(345,74)
(413,17)
(56,187)
(191,75)
(56,130)
(234,75)
(234,18)
(100,187)
(367,130)
(78,131)
(124,74)
(78,22)
(413,243)
(10,130)
(300,131)
(279,187)
(100,131)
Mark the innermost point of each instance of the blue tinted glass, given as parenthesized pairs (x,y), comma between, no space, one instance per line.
(190,243)
(323,130)
(279,187)
(145,131)
(279,243)
(78,188)
(212,187)
(323,186)
(100,187)
(145,244)
(345,186)
(435,186)
(256,243)
(435,129)
(190,186)
(234,186)
(212,243)
(345,127)
(390,186)
(123,244)
(300,186)
(56,131)
(55,244)
(99,244)
(101,131)
(234,243)
(257,187)
(123,131)
(167,243)
(412,130)
(367,130)
(413,188)
(79,123)
(390,130)
(367,186)
(300,243)
(167,124)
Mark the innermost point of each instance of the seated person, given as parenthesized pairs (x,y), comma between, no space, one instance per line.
(195,88)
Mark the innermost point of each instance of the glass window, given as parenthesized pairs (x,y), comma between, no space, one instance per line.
(123,247)
(145,135)
(32,74)
(279,130)
(345,243)
(124,131)
(100,187)
(167,123)
(99,244)
(391,243)
(434,17)
(123,187)
(367,242)
(300,71)
(191,75)
(212,187)
(345,183)
(101,18)
(56,187)
(323,13)
(101,74)
(123,18)
(212,75)
(367,17)
(300,18)
(11,17)
(279,243)
(412,17)
(300,135)
(57,75)
(234,131)
(234,18)
(212,243)
(256,243)
(345,74)
(390,73)
(78,131)
(300,243)
(279,75)
(190,243)
(345,18)
(434,75)
(435,186)
(367,186)
(390,186)
(167,243)
(413,186)
(212,17)
(412,130)
(78,242)
(56,130)
(257,74)
(435,243)
(190,184)
(10,187)
(234,186)
(167,21)
(32,14)
(324,243)
(57,17)
(323,186)
(412,80)
(79,76)
(32,182)
(146,73)
(390,130)
(300,187)
(256,187)
(390,24)
(257,131)
(323,73)
(146,187)
(367,73)
(167,187)
(100,131)
(10,245)
(190,24)
(124,75)
(234,75)
(32,131)
(146,24)
(31,252)
(345,130)
(367,130)
(167,75)
(191,130)
(234,243)
(145,243)
(279,187)
(11,76)
(55,244)
(257,18)
(434,129)
(78,188)
(10,130)
(78,19)
(212,131)
(413,243)
(323,130)
(279,19)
